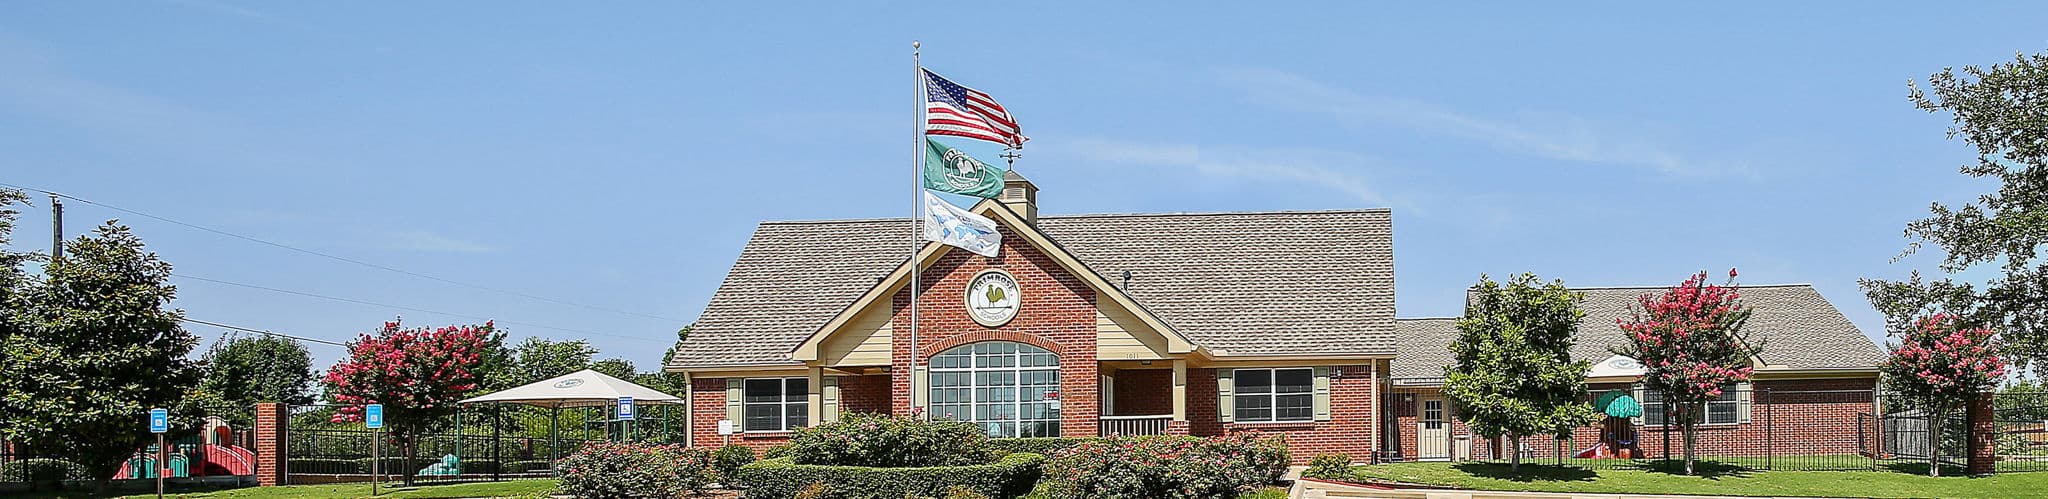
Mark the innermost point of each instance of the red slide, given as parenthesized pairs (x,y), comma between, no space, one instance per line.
(1597,451)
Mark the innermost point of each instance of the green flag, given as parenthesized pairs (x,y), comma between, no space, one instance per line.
(951,170)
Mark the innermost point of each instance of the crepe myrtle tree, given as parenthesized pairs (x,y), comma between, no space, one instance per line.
(419,375)
(1690,342)
(1512,372)
(1941,364)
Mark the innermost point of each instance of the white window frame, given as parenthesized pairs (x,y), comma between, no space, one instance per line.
(974,389)
(1728,392)
(1272,396)
(803,398)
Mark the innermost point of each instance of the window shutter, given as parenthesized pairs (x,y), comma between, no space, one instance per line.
(920,383)
(1743,395)
(735,391)
(830,412)
(1322,393)
(1637,391)
(1226,405)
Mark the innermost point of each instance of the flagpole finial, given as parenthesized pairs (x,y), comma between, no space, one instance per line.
(914,44)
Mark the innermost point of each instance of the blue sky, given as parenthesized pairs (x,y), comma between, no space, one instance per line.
(619,157)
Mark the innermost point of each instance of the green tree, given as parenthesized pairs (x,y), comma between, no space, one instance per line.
(240,372)
(10,262)
(97,350)
(2001,113)
(617,368)
(1512,374)
(540,359)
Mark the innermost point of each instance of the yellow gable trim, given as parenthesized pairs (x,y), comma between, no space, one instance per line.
(1176,343)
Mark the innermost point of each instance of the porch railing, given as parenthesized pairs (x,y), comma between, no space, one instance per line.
(1135,425)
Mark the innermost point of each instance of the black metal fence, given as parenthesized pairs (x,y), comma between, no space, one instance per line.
(479,443)
(1803,430)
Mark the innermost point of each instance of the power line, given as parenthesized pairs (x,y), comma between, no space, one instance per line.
(346,259)
(259,331)
(400,307)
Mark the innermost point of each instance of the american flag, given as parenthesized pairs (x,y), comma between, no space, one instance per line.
(952,109)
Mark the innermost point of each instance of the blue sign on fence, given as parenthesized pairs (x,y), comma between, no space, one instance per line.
(373,416)
(159,420)
(625,408)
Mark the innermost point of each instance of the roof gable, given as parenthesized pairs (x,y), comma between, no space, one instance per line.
(879,294)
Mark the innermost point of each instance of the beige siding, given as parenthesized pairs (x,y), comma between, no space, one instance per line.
(864,341)
(1121,336)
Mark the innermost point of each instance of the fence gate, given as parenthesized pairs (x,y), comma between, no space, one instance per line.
(477,443)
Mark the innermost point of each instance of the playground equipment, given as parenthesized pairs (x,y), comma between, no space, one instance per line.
(449,465)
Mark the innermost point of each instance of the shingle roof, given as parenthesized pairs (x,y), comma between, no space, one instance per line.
(1798,329)
(1299,282)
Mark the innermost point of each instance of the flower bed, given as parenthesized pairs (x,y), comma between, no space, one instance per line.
(1010,476)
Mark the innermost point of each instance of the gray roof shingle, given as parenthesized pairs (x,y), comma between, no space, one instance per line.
(1798,329)
(1261,283)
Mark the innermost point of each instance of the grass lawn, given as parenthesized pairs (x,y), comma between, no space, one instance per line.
(516,488)
(1713,480)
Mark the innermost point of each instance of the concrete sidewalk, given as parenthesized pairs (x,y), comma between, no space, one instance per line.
(1310,488)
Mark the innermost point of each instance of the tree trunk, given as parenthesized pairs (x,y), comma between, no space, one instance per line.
(1934,427)
(1687,426)
(405,462)
(1515,453)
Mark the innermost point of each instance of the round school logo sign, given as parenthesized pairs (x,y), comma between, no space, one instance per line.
(964,173)
(569,383)
(992,298)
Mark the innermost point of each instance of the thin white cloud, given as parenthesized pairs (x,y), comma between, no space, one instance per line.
(1298,166)
(430,242)
(1552,136)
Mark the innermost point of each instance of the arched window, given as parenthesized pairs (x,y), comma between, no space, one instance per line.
(1012,389)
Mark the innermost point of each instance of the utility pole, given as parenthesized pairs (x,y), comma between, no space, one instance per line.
(56,227)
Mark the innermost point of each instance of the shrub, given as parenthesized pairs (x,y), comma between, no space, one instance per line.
(1036,445)
(728,460)
(1167,466)
(1328,466)
(43,470)
(1009,476)
(959,492)
(890,442)
(604,470)
(528,466)
(780,450)
(816,490)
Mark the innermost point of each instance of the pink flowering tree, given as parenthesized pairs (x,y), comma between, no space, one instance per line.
(1690,342)
(1941,364)
(418,374)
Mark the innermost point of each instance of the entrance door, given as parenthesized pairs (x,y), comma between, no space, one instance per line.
(1432,431)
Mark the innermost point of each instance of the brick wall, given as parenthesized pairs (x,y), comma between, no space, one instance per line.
(1058,314)
(1349,429)
(1142,392)
(707,407)
(869,394)
(271,420)
(1787,417)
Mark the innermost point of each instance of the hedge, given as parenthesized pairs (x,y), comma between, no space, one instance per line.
(43,470)
(1011,476)
(326,466)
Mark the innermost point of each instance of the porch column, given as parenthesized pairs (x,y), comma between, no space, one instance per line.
(816,398)
(1180,390)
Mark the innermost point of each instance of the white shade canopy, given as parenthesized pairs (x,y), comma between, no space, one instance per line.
(585,388)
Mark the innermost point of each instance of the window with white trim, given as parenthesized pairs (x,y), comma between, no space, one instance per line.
(1011,389)
(1725,409)
(777,404)
(1274,395)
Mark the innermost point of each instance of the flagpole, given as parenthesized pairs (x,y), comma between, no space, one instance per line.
(916,200)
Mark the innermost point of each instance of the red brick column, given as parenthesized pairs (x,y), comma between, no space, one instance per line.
(1983,436)
(270,450)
